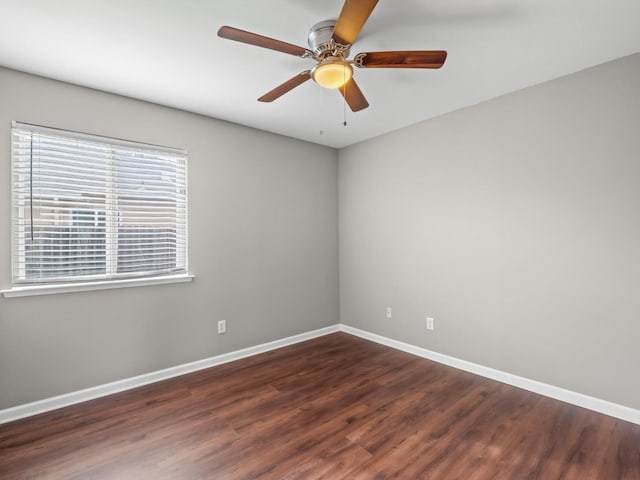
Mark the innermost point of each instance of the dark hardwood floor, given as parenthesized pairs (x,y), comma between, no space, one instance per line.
(337,407)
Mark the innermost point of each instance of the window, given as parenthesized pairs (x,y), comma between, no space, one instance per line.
(87,208)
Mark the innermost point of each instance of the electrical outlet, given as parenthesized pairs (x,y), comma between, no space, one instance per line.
(222,326)
(389,315)
(430,323)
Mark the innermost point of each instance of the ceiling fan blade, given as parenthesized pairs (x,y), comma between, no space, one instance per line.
(354,96)
(401,59)
(286,87)
(231,33)
(352,18)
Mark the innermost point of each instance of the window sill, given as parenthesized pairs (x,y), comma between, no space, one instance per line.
(29,290)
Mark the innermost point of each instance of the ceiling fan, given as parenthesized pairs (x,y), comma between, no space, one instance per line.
(330,42)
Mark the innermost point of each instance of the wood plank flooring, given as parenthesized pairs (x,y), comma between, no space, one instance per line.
(336,407)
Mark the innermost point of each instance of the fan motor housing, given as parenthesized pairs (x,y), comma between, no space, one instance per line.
(320,41)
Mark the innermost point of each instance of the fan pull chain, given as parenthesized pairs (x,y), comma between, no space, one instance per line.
(344,112)
(344,103)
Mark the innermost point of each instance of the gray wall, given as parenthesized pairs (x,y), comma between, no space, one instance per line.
(263,245)
(516,224)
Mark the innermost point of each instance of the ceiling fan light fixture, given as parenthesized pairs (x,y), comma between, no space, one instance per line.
(330,43)
(332,72)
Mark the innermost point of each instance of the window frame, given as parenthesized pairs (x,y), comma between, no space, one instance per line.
(42,285)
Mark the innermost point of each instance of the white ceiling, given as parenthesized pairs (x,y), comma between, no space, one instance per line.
(167,52)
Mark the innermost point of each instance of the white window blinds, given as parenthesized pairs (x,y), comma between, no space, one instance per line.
(88,207)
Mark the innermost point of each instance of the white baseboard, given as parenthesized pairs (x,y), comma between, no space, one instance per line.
(574,398)
(48,404)
(596,404)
